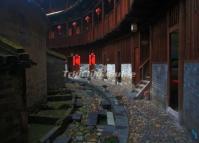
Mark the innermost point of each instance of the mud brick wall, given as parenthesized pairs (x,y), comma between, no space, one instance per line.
(22,21)
(55,72)
(159,83)
(12,106)
(191,96)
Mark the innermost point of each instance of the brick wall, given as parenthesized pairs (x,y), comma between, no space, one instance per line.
(12,106)
(23,22)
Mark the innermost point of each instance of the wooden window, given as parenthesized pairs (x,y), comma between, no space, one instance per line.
(174,16)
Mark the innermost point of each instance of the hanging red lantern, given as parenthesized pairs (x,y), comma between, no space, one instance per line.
(87,19)
(92,59)
(76,60)
(98,11)
(59,27)
(74,24)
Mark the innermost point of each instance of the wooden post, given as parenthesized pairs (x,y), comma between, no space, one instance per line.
(92,28)
(103,16)
(182,46)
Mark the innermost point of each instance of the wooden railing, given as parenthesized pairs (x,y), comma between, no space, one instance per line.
(98,31)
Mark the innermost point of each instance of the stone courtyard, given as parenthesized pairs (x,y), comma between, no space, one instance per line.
(99,71)
(135,120)
(148,123)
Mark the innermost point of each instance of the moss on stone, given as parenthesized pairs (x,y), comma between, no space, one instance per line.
(36,131)
(10,43)
(59,105)
(53,113)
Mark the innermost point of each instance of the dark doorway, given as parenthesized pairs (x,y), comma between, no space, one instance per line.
(174,64)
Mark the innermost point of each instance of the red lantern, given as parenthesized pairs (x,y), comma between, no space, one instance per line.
(98,11)
(92,59)
(76,60)
(59,27)
(87,19)
(74,24)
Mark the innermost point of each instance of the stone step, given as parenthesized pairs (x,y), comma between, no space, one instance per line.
(140,85)
(144,82)
(77,117)
(92,119)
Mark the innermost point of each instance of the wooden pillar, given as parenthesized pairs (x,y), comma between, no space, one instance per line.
(182,45)
(93,26)
(103,10)
(81,25)
(103,16)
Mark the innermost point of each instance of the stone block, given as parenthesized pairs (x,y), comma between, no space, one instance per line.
(92,119)
(110,119)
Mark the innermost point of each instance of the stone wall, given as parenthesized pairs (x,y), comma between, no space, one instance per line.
(159,83)
(191,96)
(12,106)
(55,72)
(22,21)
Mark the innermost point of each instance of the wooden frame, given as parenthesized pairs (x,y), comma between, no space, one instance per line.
(180,28)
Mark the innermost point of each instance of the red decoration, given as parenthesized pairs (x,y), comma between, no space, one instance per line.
(98,11)
(92,59)
(76,60)
(87,19)
(74,24)
(59,27)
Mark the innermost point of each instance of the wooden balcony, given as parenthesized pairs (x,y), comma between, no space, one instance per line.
(108,23)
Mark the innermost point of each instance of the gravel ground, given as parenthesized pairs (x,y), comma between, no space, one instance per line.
(147,122)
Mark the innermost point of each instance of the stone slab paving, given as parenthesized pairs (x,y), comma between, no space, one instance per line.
(147,122)
(150,124)
(119,110)
(62,139)
(121,119)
